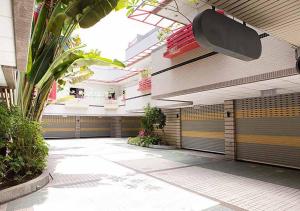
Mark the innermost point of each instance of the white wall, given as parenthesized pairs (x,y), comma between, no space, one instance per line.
(91,105)
(148,40)
(136,104)
(87,111)
(94,92)
(276,55)
(7,43)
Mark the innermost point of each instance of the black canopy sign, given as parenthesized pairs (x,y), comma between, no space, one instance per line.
(222,34)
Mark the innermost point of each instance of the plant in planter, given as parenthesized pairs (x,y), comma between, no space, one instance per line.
(153,119)
(24,151)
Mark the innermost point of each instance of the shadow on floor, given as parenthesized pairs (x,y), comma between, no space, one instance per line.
(277,175)
(272,174)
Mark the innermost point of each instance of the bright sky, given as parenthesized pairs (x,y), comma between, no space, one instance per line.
(112,34)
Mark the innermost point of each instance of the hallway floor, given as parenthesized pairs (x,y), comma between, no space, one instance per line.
(107,174)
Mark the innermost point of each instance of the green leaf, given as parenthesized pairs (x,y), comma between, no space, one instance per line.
(41,65)
(39,30)
(94,12)
(121,5)
(82,76)
(55,24)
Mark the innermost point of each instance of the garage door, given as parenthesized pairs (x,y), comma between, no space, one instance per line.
(58,126)
(130,126)
(92,126)
(203,128)
(268,130)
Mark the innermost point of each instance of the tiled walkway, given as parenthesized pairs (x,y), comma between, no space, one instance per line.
(108,174)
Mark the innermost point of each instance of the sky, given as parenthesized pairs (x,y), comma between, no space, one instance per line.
(112,34)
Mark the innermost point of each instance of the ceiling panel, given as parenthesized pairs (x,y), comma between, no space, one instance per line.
(280,18)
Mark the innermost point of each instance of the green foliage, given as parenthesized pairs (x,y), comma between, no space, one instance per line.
(24,151)
(147,140)
(145,73)
(134,140)
(133,4)
(53,54)
(153,119)
(144,141)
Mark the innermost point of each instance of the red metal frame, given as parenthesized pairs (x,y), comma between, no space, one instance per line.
(148,13)
(181,42)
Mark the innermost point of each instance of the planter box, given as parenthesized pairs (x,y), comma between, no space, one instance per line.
(181,42)
(25,188)
(145,84)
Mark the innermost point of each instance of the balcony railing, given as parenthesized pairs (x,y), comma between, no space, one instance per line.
(111,104)
(181,42)
(145,84)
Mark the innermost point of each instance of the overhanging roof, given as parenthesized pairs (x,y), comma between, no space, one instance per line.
(150,14)
(109,75)
(280,18)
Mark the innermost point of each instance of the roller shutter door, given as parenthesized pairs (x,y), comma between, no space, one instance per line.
(268,130)
(130,126)
(58,126)
(203,128)
(92,126)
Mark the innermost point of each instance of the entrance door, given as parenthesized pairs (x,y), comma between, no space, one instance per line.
(203,128)
(59,126)
(268,130)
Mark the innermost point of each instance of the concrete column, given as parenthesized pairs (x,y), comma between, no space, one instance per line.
(77,127)
(172,135)
(116,127)
(230,137)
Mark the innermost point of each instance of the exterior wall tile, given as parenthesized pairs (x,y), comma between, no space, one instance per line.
(229,132)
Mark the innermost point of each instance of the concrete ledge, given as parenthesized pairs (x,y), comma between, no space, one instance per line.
(23,189)
(162,147)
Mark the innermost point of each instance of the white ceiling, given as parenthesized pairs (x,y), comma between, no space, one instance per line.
(283,85)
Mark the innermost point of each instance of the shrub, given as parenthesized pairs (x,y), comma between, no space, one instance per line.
(144,141)
(147,140)
(134,140)
(25,149)
(153,118)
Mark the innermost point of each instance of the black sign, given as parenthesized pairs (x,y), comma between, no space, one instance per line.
(222,34)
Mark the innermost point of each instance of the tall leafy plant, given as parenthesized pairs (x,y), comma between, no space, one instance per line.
(52,55)
(153,119)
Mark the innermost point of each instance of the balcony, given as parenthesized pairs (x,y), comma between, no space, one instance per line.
(145,84)
(181,42)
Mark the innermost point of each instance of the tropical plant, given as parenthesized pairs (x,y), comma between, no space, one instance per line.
(54,54)
(153,119)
